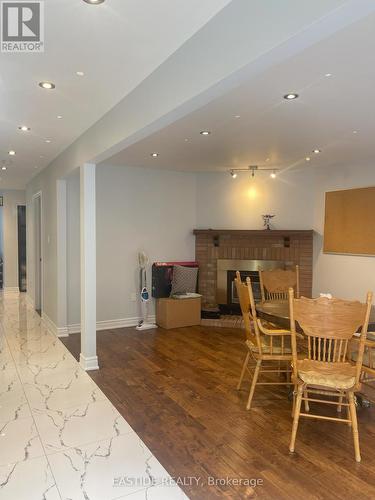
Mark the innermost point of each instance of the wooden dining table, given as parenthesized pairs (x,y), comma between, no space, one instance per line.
(277,312)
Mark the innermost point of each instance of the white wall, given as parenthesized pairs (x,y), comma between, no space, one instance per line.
(226,203)
(345,276)
(12,198)
(137,209)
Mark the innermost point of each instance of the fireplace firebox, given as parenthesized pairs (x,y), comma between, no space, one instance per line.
(232,297)
(226,293)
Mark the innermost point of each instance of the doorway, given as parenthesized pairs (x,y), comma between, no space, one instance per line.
(21,229)
(38,281)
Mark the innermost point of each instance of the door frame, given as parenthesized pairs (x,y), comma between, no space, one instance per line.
(35,197)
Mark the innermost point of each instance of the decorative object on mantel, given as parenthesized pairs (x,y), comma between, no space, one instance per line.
(267,221)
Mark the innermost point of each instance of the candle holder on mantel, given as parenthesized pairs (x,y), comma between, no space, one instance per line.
(267,221)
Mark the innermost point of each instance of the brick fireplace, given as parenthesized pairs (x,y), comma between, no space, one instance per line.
(283,248)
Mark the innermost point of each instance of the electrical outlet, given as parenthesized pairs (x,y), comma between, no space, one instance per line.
(133,297)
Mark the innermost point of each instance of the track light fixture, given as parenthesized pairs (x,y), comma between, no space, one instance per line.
(253,169)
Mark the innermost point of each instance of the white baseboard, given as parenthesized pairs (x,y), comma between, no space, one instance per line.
(90,363)
(49,324)
(74,328)
(62,331)
(53,328)
(110,324)
(11,289)
(100,325)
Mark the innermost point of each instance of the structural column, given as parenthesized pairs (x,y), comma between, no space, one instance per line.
(88,357)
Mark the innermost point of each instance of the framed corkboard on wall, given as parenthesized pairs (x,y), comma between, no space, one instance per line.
(349,222)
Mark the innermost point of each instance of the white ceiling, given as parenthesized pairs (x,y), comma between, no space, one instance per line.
(327,112)
(116,44)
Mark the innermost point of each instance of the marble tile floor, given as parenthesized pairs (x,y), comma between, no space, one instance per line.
(60,437)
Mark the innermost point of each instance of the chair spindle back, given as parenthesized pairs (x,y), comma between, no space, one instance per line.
(275,283)
(329,324)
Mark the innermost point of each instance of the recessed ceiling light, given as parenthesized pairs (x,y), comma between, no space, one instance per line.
(154,155)
(233,174)
(80,73)
(205,132)
(328,75)
(36,166)
(355,131)
(3,168)
(317,151)
(290,96)
(273,175)
(48,141)
(237,116)
(94,2)
(24,128)
(11,152)
(186,140)
(59,117)
(47,85)
(308,158)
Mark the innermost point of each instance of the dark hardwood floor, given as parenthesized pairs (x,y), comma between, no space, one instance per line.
(177,389)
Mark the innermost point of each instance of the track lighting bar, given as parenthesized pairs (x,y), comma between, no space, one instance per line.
(252,169)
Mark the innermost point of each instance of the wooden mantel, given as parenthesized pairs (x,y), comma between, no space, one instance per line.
(254,232)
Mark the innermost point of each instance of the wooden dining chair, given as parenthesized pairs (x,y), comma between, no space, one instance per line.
(329,325)
(367,378)
(275,283)
(263,344)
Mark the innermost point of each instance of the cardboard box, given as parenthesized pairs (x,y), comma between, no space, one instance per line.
(177,313)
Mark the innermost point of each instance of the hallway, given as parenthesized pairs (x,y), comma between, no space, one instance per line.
(61,438)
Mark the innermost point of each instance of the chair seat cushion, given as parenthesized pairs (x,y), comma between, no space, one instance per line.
(276,345)
(321,373)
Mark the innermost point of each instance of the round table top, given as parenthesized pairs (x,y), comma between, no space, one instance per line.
(278,312)
(277,308)
(275,312)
